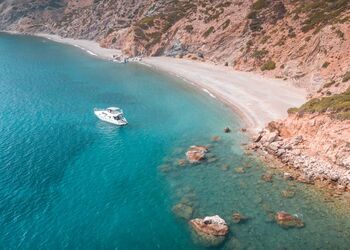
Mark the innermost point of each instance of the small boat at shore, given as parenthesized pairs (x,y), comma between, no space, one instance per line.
(112,115)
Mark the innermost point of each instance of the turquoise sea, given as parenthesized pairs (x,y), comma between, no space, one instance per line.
(70,181)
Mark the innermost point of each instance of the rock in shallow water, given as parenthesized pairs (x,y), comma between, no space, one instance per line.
(227,130)
(288,193)
(240,170)
(286,220)
(183,210)
(238,218)
(267,177)
(210,231)
(196,154)
(215,138)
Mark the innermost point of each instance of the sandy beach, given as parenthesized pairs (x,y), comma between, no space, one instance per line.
(91,47)
(256,99)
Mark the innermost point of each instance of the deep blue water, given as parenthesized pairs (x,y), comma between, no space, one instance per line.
(68,180)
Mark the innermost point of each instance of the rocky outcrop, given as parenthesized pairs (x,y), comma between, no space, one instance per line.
(316,146)
(211,230)
(196,154)
(286,220)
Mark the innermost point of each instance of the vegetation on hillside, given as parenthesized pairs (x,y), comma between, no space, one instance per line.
(337,106)
(320,13)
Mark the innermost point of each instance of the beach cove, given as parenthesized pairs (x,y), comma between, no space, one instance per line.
(71,181)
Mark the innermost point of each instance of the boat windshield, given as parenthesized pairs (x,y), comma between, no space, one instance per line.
(114,110)
(119,117)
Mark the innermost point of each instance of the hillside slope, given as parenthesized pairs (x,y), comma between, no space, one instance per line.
(305,41)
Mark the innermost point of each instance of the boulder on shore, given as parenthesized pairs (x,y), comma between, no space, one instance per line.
(286,220)
(196,154)
(210,231)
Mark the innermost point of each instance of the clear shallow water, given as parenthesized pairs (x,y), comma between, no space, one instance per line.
(68,180)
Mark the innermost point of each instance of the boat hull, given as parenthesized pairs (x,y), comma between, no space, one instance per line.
(110,119)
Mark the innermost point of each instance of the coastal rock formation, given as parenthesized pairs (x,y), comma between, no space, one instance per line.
(211,230)
(196,154)
(286,220)
(314,146)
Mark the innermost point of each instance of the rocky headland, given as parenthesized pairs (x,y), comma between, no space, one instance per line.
(313,142)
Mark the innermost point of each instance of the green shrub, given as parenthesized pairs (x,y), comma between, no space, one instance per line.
(329,84)
(346,76)
(189,28)
(265,39)
(340,34)
(292,110)
(260,54)
(269,65)
(226,24)
(259,4)
(337,105)
(325,65)
(208,32)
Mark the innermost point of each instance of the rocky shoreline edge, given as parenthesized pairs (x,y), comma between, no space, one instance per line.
(287,155)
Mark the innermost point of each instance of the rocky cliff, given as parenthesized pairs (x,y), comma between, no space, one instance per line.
(314,140)
(304,41)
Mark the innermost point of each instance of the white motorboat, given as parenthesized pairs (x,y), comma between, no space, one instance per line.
(112,115)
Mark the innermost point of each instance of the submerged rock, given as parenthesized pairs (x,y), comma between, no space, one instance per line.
(210,231)
(240,170)
(287,176)
(238,218)
(215,138)
(183,211)
(196,154)
(225,167)
(181,162)
(286,220)
(166,168)
(267,177)
(305,179)
(288,193)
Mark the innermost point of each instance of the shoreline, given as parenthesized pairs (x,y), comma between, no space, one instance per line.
(241,91)
(256,99)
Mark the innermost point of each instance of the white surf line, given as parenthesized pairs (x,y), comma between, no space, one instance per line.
(209,93)
(86,50)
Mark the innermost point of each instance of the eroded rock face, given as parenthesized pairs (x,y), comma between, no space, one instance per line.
(210,231)
(286,220)
(196,154)
(315,146)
